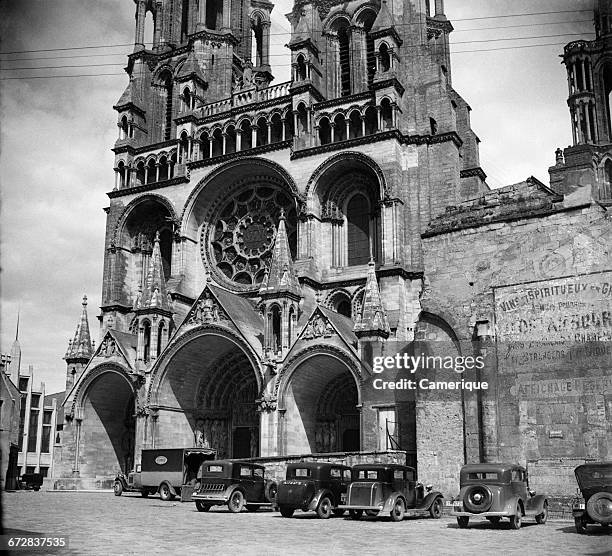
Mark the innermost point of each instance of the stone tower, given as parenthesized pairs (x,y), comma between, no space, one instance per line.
(588,162)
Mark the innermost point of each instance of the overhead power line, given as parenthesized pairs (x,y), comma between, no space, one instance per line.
(287,33)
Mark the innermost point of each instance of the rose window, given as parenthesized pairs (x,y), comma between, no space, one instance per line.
(241,235)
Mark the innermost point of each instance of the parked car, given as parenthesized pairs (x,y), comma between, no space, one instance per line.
(495,491)
(171,472)
(595,503)
(31,481)
(380,489)
(318,487)
(235,483)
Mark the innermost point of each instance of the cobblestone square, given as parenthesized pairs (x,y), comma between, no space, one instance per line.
(100,523)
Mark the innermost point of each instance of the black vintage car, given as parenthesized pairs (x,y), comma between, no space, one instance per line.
(389,489)
(31,481)
(595,504)
(497,490)
(235,483)
(319,487)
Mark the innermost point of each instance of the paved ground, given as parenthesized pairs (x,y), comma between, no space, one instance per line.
(100,523)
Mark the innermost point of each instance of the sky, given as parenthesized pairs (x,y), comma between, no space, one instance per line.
(56,165)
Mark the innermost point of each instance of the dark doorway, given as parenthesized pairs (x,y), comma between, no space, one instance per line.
(242,442)
(350,440)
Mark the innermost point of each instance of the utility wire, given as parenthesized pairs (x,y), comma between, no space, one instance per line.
(288,33)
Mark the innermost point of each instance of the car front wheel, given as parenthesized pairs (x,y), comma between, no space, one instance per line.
(118,488)
(543,517)
(515,520)
(201,506)
(324,508)
(581,526)
(463,521)
(436,509)
(397,514)
(286,512)
(236,502)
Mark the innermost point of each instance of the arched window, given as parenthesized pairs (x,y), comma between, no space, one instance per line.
(163,169)
(607,85)
(184,148)
(386,114)
(214,13)
(367,21)
(167,92)
(124,133)
(291,325)
(276,128)
(300,68)
(246,135)
(204,146)
(172,164)
(257,42)
(262,132)
(151,171)
(149,29)
(146,341)
(275,316)
(217,143)
(289,131)
(339,128)
(187,99)
(324,131)
(302,119)
(230,139)
(185,20)
(140,173)
(358,230)
(606,192)
(354,124)
(160,337)
(384,58)
(121,169)
(371,120)
(344,60)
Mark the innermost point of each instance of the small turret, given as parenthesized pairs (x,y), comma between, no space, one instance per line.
(80,349)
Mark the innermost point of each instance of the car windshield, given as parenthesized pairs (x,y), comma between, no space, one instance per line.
(367,474)
(588,476)
(483,476)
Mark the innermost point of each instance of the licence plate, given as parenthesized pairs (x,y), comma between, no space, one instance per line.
(343,498)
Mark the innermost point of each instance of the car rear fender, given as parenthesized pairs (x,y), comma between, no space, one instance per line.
(536,503)
(429,499)
(510,505)
(317,498)
(230,490)
(390,502)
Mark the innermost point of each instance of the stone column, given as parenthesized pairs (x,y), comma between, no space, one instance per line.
(265,49)
(238,139)
(201,15)
(226,16)
(332,127)
(140,25)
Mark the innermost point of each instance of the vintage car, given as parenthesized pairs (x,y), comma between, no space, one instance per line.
(31,481)
(319,487)
(169,471)
(497,490)
(235,483)
(595,503)
(390,489)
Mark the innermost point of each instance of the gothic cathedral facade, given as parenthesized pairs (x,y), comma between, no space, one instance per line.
(263,240)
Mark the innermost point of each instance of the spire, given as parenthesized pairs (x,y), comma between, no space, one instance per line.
(191,69)
(15,364)
(154,295)
(303,32)
(372,321)
(281,277)
(80,347)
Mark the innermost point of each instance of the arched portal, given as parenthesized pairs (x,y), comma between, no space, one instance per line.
(320,402)
(207,397)
(108,425)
